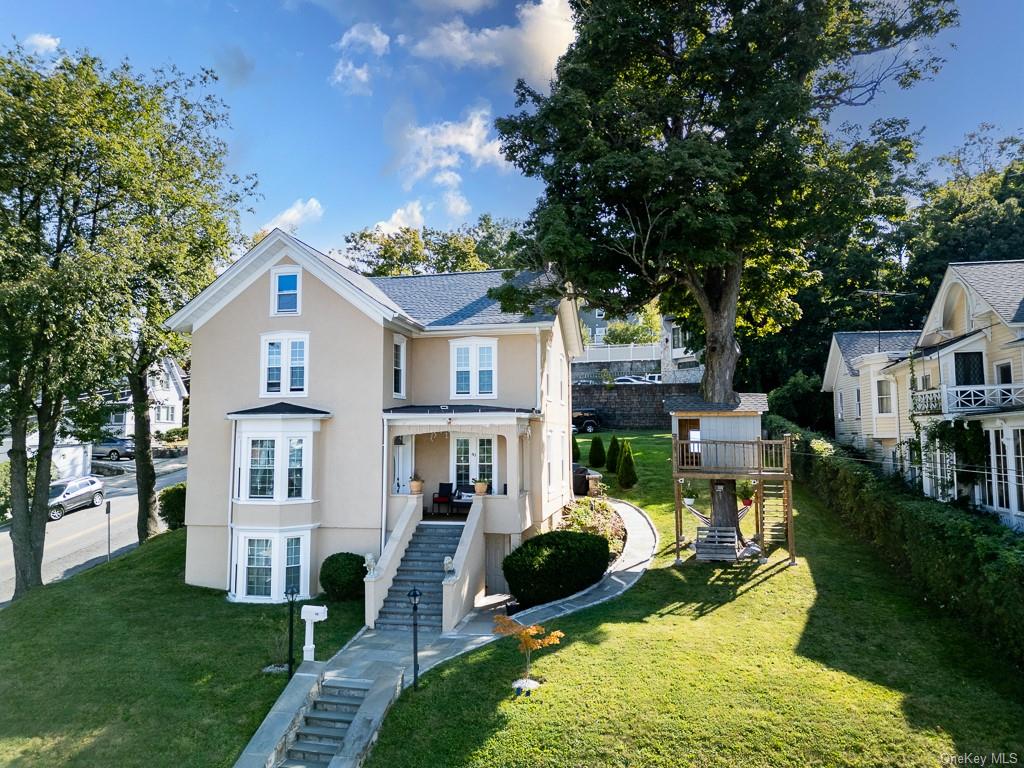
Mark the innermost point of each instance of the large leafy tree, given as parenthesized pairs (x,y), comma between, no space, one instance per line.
(182,221)
(679,150)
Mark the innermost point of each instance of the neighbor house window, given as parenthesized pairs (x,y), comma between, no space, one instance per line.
(599,334)
(398,371)
(839,408)
(678,337)
(261,469)
(884,391)
(293,564)
(287,283)
(163,413)
(599,314)
(474,368)
(926,381)
(857,404)
(284,362)
(258,567)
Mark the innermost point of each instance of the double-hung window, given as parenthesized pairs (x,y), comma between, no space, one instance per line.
(474,368)
(261,468)
(258,567)
(293,564)
(296,467)
(884,393)
(839,407)
(286,289)
(269,563)
(277,467)
(398,366)
(284,359)
(857,403)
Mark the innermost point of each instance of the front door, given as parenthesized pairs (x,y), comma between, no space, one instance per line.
(401,464)
(473,459)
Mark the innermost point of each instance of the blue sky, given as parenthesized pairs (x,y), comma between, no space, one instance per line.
(355,112)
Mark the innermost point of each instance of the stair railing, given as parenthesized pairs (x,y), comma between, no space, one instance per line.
(379,580)
(461,586)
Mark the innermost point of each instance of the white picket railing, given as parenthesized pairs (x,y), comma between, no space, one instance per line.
(972,397)
(607,353)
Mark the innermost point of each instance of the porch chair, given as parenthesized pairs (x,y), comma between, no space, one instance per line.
(443,497)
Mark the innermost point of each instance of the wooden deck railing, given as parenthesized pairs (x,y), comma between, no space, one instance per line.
(732,457)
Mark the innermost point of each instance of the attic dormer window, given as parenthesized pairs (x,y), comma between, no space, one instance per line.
(286,284)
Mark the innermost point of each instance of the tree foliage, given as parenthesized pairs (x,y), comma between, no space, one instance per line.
(682,150)
(645,330)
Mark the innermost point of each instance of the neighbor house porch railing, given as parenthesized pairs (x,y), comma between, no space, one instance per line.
(973,397)
(732,457)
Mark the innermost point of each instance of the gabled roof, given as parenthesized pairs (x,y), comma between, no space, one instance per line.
(282,409)
(460,298)
(1000,284)
(854,344)
(749,402)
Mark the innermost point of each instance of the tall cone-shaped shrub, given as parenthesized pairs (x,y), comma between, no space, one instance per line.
(622,455)
(613,454)
(575,449)
(627,468)
(597,456)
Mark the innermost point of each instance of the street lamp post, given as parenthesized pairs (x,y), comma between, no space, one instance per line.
(414,600)
(291,593)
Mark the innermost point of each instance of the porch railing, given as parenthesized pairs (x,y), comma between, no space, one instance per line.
(460,588)
(731,457)
(972,397)
(604,353)
(380,579)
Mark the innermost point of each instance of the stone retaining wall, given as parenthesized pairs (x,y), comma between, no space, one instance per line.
(629,406)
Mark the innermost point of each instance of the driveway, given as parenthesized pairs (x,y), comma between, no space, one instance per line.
(79,539)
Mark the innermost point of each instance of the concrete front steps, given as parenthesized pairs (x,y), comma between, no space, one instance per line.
(422,567)
(326,723)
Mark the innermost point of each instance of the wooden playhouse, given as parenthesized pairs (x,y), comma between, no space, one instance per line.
(717,442)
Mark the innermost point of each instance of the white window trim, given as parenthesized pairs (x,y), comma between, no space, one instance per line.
(561,379)
(878,397)
(400,341)
(280,433)
(556,450)
(475,343)
(857,411)
(278,554)
(286,270)
(839,411)
(599,314)
(285,337)
(995,369)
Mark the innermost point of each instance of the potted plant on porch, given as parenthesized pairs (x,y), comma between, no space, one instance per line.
(480,486)
(689,491)
(415,483)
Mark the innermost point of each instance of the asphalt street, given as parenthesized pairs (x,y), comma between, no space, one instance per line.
(79,539)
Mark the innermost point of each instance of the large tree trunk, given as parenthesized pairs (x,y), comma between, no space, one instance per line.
(147,524)
(717,294)
(28,561)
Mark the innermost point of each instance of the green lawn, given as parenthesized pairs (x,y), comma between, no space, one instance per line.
(833,662)
(124,665)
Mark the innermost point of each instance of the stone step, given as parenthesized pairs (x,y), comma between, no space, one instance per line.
(338,705)
(430,552)
(290,763)
(450,533)
(322,734)
(312,750)
(322,718)
(410,574)
(346,686)
(387,624)
(401,601)
(392,614)
(339,701)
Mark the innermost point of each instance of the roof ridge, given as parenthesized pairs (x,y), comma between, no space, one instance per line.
(986,261)
(448,274)
(891,330)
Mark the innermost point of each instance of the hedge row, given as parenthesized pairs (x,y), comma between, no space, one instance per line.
(965,561)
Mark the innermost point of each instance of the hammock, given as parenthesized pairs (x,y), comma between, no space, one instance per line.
(707,520)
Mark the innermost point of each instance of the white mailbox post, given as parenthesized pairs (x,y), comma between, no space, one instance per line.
(311,614)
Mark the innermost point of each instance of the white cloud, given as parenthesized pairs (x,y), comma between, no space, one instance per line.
(409,215)
(465,6)
(353,79)
(41,44)
(448,179)
(528,49)
(456,204)
(445,145)
(296,214)
(365,36)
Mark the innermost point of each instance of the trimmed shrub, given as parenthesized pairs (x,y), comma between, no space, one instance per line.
(622,451)
(341,576)
(627,468)
(575,449)
(964,561)
(175,434)
(612,460)
(171,506)
(595,515)
(597,456)
(555,565)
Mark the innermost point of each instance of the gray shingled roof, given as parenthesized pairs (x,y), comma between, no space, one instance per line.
(999,283)
(459,298)
(749,401)
(853,344)
(281,409)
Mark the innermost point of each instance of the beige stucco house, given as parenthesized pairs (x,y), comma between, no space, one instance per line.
(965,366)
(317,394)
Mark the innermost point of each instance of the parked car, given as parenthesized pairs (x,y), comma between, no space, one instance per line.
(113,448)
(76,493)
(632,380)
(586,420)
(654,378)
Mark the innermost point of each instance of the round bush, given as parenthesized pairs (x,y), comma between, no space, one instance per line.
(171,505)
(554,565)
(341,576)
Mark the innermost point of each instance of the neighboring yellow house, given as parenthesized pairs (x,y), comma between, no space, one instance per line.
(967,365)
(317,394)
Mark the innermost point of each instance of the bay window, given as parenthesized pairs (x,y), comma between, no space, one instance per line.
(474,368)
(258,567)
(261,469)
(276,468)
(267,563)
(884,392)
(283,364)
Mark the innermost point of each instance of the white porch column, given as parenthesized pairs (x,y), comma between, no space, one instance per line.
(1011,468)
(511,460)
